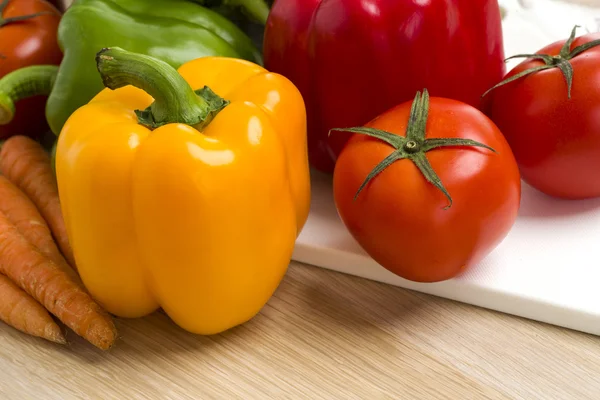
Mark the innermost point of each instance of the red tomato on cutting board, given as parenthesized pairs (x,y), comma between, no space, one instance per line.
(436,201)
(555,138)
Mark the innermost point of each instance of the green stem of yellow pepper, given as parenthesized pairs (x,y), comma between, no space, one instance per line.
(23,83)
(174,100)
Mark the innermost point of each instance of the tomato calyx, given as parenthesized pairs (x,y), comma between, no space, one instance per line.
(413,146)
(561,61)
(12,20)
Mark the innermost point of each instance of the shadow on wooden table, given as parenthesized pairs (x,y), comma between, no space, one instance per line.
(347,303)
(156,336)
(310,302)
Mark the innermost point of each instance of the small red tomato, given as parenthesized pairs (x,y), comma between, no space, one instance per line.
(548,108)
(28,36)
(428,188)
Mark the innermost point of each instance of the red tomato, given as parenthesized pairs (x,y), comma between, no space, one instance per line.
(401,219)
(555,140)
(28,42)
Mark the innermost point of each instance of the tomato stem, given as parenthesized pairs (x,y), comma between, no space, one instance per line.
(561,61)
(11,20)
(174,100)
(413,146)
(22,83)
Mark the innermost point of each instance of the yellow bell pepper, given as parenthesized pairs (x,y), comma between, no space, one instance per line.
(185,189)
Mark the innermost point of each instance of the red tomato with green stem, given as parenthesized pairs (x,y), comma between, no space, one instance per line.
(28,36)
(428,188)
(548,108)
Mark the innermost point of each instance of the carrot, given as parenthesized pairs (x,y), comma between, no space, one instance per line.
(26,164)
(50,285)
(24,215)
(22,312)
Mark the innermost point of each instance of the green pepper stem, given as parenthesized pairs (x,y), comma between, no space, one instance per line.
(35,80)
(174,100)
(258,10)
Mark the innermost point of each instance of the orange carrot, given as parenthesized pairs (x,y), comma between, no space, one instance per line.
(22,312)
(24,215)
(50,285)
(26,164)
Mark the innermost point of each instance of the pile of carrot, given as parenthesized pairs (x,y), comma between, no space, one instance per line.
(39,284)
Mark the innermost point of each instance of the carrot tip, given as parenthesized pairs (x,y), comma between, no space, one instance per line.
(60,340)
(53,333)
(102,333)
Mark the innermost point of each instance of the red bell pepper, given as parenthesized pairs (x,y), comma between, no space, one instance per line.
(354,59)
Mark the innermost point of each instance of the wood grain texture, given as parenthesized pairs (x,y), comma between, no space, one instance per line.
(323,335)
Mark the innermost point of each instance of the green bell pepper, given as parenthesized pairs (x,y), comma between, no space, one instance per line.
(174,31)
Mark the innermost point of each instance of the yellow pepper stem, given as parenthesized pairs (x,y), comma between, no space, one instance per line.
(174,99)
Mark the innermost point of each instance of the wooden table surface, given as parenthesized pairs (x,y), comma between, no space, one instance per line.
(323,335)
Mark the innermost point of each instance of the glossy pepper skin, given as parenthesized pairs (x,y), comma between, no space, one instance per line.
(354,59)
(174,31)
(197,218)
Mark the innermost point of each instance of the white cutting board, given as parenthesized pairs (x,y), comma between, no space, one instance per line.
(547,268)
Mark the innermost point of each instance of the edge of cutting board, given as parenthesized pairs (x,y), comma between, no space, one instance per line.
(347,257)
